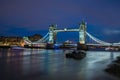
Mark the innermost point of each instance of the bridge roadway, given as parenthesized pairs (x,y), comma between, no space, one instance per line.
(68,30)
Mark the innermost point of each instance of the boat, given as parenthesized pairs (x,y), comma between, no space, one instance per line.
(17,47)
(76,54)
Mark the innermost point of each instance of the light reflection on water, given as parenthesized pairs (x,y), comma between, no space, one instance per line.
(52,64)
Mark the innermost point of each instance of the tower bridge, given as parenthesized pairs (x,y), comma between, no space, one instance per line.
(53,33)
(50,37)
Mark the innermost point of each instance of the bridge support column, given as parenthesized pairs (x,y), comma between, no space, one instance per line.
(52,34)
(51,40)
(82,37)
(82,33)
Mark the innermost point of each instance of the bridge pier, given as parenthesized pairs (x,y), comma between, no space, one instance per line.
(82,47)
(52,37)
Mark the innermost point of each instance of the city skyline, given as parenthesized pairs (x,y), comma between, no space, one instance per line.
(28,17)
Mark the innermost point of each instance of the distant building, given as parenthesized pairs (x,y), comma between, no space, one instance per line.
(8,41)
(13,40)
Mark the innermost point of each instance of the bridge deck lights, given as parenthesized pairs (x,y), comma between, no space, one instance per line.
(65,29)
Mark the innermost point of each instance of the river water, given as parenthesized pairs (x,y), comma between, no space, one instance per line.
(41,64)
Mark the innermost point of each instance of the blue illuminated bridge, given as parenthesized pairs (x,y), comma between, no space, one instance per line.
(50,37)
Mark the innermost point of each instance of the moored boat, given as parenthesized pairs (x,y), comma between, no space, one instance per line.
(76,54)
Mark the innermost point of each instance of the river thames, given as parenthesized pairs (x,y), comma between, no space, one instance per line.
(41,64)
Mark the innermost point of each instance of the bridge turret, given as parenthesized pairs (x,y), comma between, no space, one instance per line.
(52,34)
(82,33)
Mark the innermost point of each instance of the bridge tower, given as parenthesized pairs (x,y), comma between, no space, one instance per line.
(82,33)
(52,34)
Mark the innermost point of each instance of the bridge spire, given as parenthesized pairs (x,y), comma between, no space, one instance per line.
(82,32)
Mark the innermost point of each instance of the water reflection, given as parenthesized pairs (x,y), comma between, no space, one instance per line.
(111,56)
(52,64)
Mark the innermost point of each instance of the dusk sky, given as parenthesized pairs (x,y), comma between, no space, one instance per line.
(27,17)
